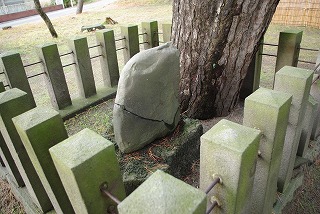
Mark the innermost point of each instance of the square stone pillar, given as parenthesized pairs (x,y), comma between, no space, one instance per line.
(297,82)
(308,121)
(109,59)
(288,48)
(84,73)
(268,111)
(131,41)
(151,36)
(84,162)
(166,32)
(162,193)
(40,129)
(230,151)
(14,102)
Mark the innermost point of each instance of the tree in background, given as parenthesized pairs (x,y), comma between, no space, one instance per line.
(217,41)
(45,19)
(79,6)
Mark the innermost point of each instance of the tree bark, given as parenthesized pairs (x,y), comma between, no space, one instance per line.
(217,41)
(45,19)
(79,6)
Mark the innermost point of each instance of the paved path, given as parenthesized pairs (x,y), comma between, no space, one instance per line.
(56,14)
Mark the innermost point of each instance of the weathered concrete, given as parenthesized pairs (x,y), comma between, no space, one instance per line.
(147,105)
(268,111)
(15,74)
(315,93)
(229,150)
(14,102)
(308,121)
(288,48)
(252,80)
(131,41)
(84,161)
(166,32)
(55,79)
(151,35)
(84,73)
(2,89)
(297,82)
(162,193)
(33,127)
(108,60)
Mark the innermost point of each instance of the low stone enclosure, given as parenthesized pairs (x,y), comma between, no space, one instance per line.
(242,166)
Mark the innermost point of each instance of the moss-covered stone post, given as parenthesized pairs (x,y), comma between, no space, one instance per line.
(40,129)
(131,41)
(230,151)
(315,93)
(252,80)
(16,76)
(297,82)
(55,79)
(162,193)
(151,34)
(268,111)
(288,48)
(307,124)
(2,88)
(84,162)
(166,32)
(84,73)
(14,102)
(108,59)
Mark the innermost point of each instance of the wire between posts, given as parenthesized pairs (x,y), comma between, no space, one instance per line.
(104,190)
(35,63)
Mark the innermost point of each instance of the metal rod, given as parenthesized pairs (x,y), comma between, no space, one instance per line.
(95,56)
(214,204)
(35,75)
(307,62)
(123,38)
(1,73)
(32,64)
(6,86)
(121,48)
(214,182)
(94,46)
(269,44)
(141,34)
(263,54)
(143,43)
(308,49)
(73,63)
(104,190)
(65,54)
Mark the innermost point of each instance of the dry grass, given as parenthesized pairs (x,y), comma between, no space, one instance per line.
(8,203)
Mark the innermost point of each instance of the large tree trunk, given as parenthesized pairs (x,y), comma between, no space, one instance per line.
(45,19)
(217,40)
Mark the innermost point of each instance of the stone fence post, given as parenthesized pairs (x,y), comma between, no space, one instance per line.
(40,129)
(55,79)
(288,48)
(162,193)
(84,73)
(297,82)
(151,36)
(108,60)
(308,121)
(230,151)
(15,73)
(14,102)
(166,32)
(131,41)
(85,161)
(252,80)
(268,111)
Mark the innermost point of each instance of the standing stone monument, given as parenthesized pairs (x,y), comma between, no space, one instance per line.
(147,106)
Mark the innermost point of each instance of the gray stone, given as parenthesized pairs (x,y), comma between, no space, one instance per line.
(147,105)
(162,193)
